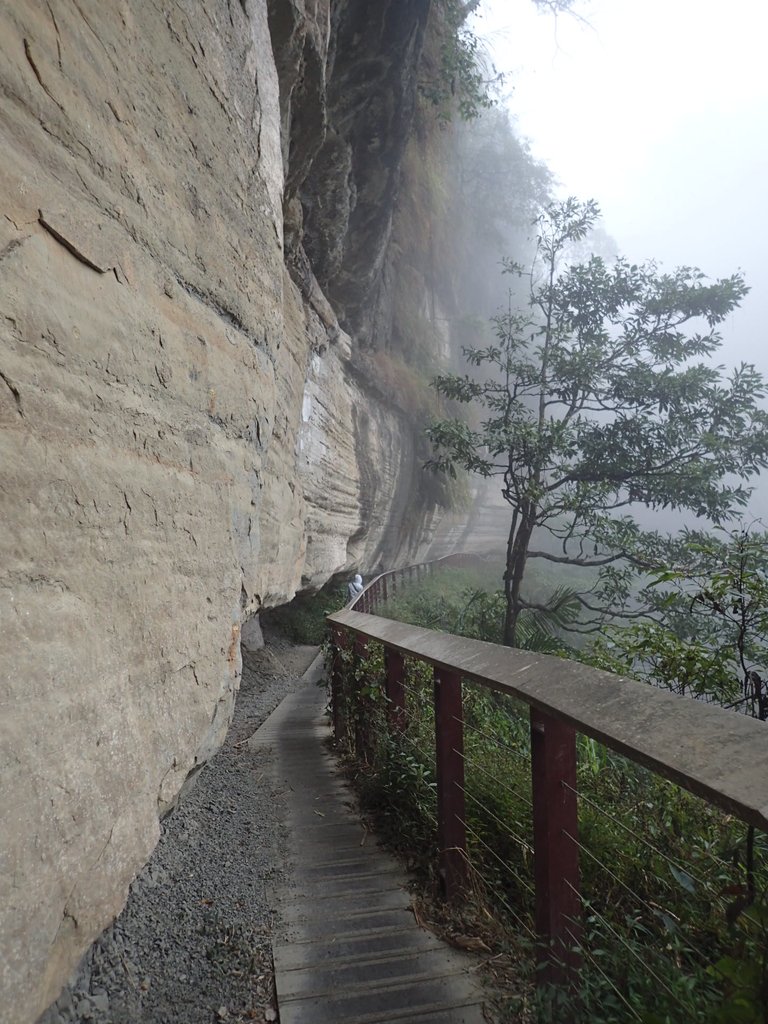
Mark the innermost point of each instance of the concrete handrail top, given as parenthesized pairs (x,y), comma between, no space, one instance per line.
(719,755)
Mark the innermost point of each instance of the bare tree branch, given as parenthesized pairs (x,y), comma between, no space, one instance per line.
(584,562)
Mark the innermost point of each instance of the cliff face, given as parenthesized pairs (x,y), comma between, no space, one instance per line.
(191,231)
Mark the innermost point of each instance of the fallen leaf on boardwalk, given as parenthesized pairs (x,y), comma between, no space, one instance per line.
(417,917)
(470,943)
(483,964)
(319,814)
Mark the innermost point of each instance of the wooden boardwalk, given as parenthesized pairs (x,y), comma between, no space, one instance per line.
(348,948)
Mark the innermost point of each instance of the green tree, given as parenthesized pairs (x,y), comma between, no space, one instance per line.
(713,643)
(459,77)
(596,399)
(712,639)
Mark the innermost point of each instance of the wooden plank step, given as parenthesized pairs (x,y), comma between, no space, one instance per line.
(348,948)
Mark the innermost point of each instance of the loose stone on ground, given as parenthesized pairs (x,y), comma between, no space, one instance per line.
(193,945)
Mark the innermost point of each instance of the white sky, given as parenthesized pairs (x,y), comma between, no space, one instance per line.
(658,109)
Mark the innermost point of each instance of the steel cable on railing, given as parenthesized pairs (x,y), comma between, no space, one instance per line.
(495,779)
(612,874)
(497,742)
(641,958)
(423,696)
(419,704)
(496,894)
(427,758)
(677,869)
(632,871)
(500,860)
(474,764)
(654,909)
(657,911)
(640,839)
(502,824)
(620,938)
(612,984)
(522,843)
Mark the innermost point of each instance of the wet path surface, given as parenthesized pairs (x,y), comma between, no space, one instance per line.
(347,946)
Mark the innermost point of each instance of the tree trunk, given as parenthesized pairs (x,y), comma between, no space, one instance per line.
(509,624)
(517,552)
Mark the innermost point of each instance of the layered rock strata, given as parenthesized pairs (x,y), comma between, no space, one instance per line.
(180,439)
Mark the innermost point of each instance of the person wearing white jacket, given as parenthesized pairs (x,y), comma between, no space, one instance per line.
(354,588)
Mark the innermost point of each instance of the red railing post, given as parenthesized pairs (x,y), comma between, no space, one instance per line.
(449,758)
(359,704)
(394,664)
(556,853)
(337,680)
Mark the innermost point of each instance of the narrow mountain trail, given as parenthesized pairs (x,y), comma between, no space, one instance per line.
(194,942)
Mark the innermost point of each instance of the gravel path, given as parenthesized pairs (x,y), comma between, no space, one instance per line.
(193,945)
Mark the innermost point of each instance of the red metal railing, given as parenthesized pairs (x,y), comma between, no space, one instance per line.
(719,756)
(386,584)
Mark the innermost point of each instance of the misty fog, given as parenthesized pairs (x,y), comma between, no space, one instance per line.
(657,111)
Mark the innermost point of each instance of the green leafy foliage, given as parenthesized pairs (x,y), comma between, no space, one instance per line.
(710,636)
(675,918)
(303,620)
(460,80)
(465,602)
(712,642)
(596,397)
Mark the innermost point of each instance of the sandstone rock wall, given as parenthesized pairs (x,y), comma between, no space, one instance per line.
(180,439)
